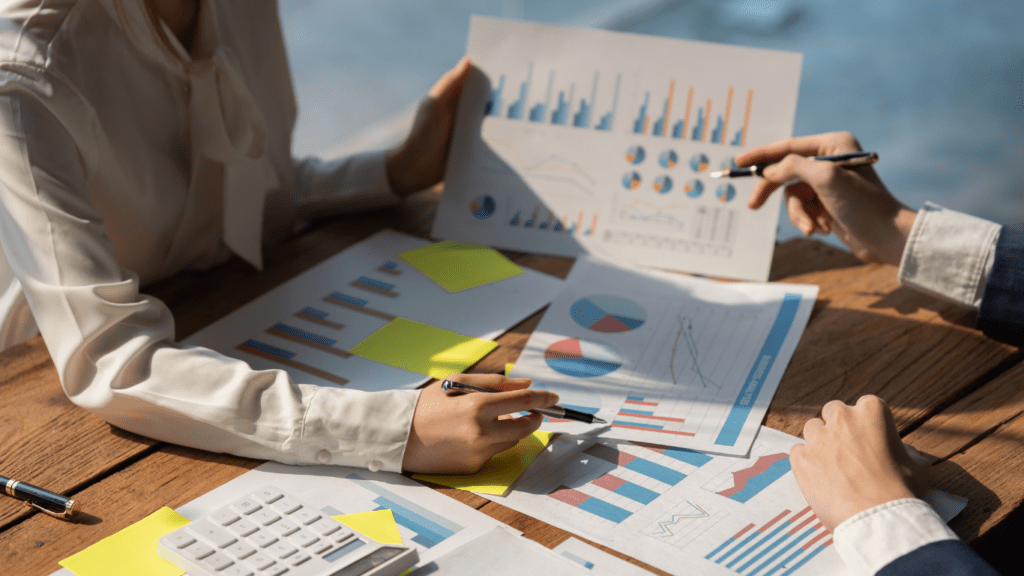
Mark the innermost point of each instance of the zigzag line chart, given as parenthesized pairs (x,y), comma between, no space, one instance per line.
(670,527)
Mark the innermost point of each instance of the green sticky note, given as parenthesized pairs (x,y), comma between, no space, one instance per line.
(460,265)
(379,525)
(130,552)
(422,348)
(500,471)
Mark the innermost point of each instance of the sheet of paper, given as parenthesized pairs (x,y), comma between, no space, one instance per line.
(597,561)
(130,552)
(666,358)
(679,510)
(574,140)
(308,325)
(422,348)
(500,471)
(501,553)
(460,265)
(379,525)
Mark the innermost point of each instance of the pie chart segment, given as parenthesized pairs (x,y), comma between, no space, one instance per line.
(608,314)
(582,358)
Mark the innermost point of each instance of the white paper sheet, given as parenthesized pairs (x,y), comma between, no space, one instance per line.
(597,561)
(679,510)
(574,140)
(483,312)
(666,358)
(501,553)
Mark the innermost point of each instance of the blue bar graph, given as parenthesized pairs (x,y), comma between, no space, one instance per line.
(582,118)
(637,493)
(716,133)
(752,387)
(309,310)
(279,352)
(781,551)
(348,299)
(608,119)
(305,335)
(605,510)
(805,560)
(640,124)
(540,111)
(688,456)
(560,116)
(375,283)
(515,110)
(698,128)
(677,129)
(431,529)
(495,104)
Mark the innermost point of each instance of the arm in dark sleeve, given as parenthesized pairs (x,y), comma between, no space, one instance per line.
(1001,314)
(943,558)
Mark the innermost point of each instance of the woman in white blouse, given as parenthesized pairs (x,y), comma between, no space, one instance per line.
(145,137)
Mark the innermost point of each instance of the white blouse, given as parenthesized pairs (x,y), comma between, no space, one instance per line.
(123,161)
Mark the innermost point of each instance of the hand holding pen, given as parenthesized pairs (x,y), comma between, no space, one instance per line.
(826,197)
(451,387)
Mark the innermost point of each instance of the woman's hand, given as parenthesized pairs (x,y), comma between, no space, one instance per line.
(459,434)
(850,201)
(419,162)
(854,460)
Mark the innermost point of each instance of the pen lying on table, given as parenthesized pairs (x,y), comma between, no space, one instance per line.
(53,504)
(851,159)
(453,387)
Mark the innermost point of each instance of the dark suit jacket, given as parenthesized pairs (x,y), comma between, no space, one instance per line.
(943,558)
(1001,314)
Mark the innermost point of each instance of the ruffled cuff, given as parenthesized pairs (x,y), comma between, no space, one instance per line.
(949,254)
(355,428)
(872,539)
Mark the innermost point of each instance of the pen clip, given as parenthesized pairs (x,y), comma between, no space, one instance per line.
(62,515)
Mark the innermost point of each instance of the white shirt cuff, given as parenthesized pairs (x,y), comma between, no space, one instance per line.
(351,184)
(949,254)
(874,538)
(355,428)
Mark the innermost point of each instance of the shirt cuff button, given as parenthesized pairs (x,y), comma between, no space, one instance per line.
(323,457)
(375,465)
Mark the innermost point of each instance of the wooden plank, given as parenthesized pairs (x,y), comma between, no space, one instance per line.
(869,335)
(172,477)
(45,439)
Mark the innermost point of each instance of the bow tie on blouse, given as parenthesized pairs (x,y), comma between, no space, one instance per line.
(227,127)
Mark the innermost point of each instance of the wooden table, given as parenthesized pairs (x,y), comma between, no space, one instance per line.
(956,394)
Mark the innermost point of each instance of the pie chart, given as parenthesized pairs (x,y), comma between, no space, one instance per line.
(482,207)
(582,358)
(608,314)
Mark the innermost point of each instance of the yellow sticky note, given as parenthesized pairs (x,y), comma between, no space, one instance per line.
(378,524)
(461,265)
(130,552)
(508,368)
(422,348)
(500,471)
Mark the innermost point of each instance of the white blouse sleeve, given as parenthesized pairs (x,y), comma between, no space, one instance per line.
(114,348)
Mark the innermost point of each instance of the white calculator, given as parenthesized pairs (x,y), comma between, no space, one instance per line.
(272,533)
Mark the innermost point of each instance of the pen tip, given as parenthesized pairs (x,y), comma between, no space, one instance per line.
(599,421)
(717,174)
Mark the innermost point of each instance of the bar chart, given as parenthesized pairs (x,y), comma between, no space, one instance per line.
(416,523)
(782,545)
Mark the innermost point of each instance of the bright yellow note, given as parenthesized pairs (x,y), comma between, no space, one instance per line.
(422,348)
(378,524)
(500,471)
(508,368)
(461,265)
(130,552)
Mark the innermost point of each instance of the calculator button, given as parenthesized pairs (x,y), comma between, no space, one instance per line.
(198,550)
(265,517)
(282,550)
(268,495)
(243,527)
(240,550)
(213,534)
(218,561)
(179,539)
(298,559)
(236,570)
(325,526)
(275,571)
(286,505)
(224,516)
(342,535)
(304,538)
(246,505)
(260,561)
(306,516)
(284,527)
(263,539)
(320,547)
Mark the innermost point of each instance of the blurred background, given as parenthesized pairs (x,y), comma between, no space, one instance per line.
(936,88)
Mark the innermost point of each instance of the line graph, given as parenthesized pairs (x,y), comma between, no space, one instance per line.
(685,333)
(744,481)
(692,511)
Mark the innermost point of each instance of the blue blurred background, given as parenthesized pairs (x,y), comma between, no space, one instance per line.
(936,88)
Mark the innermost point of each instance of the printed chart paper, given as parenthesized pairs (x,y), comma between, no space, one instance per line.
(599,562)
(682,511)
(131,551)
(666,358)
(572,141)
(312,325)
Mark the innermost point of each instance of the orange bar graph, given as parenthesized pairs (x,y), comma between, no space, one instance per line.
(579,224)
(593,225)
(746,117)
(689,104)
(725,123)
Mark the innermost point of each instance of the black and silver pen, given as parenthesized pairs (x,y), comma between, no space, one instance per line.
(53,504)
(851,159)
(453,387)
